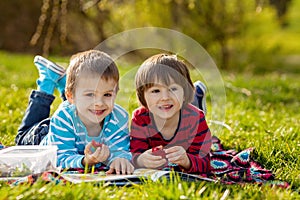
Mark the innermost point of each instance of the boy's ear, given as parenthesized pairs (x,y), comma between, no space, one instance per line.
(69,97)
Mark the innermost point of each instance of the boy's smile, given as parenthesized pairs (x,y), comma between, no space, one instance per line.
(98,112)
(164,102)
(94,98)
(166,107)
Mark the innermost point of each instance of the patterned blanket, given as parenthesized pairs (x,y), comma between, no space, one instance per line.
(231,167)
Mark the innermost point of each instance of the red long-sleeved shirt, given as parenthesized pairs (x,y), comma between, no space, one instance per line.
(192,134)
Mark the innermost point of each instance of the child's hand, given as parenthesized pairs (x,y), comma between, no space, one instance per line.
(120,166)
(95,145)
(95,153)
(177,155)
(148,160)
(158,151)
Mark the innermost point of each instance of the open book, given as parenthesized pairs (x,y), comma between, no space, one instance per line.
(139,176)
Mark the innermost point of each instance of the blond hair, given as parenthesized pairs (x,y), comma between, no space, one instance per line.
(93,62)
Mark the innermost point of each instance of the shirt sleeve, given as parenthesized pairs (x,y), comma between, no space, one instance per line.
(199,150)
(138,141)
(62,134)
(118,138)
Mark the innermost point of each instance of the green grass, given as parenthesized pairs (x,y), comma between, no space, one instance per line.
(263,112)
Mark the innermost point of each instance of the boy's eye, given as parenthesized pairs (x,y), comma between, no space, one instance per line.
(172,89)
(108,94)
(155,91)
(90,94)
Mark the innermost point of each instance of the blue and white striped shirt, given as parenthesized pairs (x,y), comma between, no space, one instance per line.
(69,134)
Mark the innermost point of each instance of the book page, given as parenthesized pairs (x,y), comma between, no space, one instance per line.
(137,176)
(79,178)
(154,174)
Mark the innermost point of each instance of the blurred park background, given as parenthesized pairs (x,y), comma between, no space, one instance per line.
(254,43)
(248,35)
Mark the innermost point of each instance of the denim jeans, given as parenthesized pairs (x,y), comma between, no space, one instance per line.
(35,123)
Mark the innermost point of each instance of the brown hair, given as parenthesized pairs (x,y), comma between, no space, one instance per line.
(93,62)
(163,68)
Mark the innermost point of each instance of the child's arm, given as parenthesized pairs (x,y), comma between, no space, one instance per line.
(62,134)
(195,157)
(138,142)
(142,155)
(199,150)
(118,141)
(119,161)
(187,161)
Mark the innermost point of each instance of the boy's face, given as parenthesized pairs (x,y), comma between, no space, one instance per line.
(164,102)
(94,98)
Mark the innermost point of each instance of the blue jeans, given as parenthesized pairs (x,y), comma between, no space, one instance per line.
(35,123)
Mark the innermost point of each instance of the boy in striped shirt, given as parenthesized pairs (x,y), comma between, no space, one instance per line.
(89,114)
(166,122)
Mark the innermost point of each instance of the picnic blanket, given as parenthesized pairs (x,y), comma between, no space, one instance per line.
(227,167)
(232,167)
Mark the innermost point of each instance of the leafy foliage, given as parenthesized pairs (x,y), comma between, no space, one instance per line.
(239,34)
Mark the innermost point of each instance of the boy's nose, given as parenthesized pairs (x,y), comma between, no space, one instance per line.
(165,94)
(98,101)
